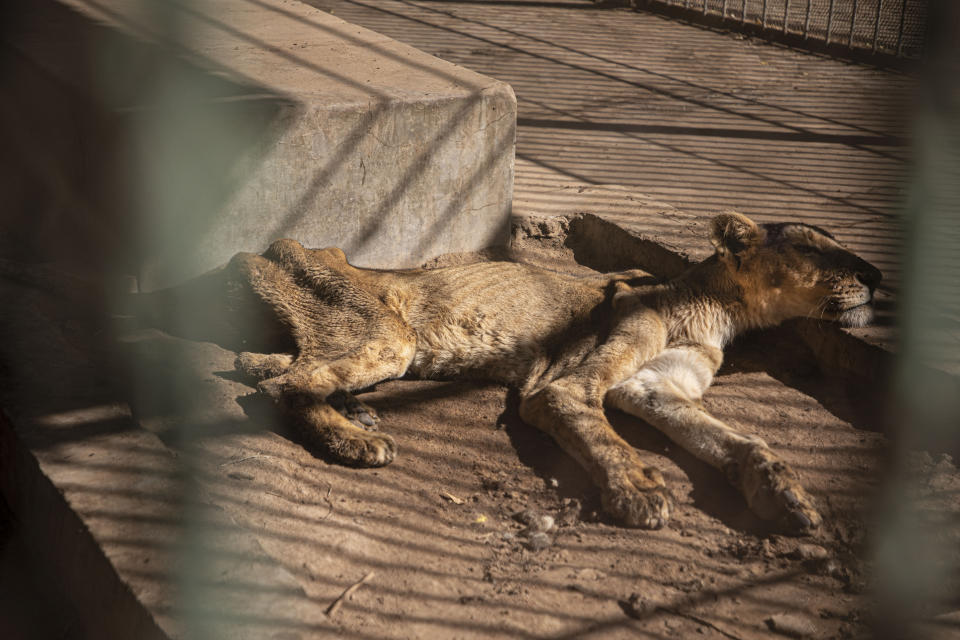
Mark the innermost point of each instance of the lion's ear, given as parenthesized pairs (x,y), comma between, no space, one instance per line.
(733,232)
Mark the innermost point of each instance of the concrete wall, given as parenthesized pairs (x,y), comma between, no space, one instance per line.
(214,127)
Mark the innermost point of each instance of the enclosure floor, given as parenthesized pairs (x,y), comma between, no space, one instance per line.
(698,119)
(701,120)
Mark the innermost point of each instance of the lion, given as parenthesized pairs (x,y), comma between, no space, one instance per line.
(569,345)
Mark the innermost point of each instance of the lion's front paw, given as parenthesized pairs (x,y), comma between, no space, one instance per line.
(774,493)
(638,498)
(364,449)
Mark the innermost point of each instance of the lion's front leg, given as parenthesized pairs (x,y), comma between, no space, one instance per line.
(666,393)
(570,408)
(633,492)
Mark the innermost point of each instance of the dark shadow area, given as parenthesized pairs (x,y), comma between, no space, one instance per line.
(75,163)
(215,307)
(540,453)
(852,140)
(31,605)
(605,247)
(860,401)
(886,315)
(712,493)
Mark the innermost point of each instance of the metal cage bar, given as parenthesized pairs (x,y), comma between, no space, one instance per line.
(853,23)
(903,15)
(823,21)
(876,25)
(829,20)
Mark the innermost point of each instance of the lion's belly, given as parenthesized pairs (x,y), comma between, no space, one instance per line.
(494,320)
(470,348)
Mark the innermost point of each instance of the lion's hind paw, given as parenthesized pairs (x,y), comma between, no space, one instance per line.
(358,413)
(363,449)
(262,366)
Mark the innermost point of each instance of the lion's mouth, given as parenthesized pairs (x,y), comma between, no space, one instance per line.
(857,306)
(859,315)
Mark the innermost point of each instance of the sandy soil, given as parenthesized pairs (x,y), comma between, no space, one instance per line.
(441,528)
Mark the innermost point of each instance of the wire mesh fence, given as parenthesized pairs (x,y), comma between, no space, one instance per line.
(893,27)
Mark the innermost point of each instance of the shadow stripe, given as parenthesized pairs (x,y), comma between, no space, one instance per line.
(716,132)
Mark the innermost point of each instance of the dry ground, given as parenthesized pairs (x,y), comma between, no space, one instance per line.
(444,531)
(443,535)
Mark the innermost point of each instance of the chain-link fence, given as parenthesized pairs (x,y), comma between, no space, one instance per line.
(891,27)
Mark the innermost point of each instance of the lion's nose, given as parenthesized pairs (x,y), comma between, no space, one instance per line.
(869,275)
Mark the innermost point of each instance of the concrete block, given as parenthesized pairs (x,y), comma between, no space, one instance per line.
(263,120)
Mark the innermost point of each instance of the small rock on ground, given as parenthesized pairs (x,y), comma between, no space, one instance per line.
(811,552)
(791,625)
(539,541)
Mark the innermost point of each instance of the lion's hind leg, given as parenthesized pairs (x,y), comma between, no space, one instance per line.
(666,393)
(346,340)
(570,409)
(263,366)
(315,394)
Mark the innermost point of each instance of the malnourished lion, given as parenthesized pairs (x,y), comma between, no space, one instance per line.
(568,344)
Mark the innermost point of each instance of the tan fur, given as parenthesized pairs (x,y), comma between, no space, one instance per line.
(568,344)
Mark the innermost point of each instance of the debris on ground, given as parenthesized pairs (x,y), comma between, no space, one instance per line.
(791,625)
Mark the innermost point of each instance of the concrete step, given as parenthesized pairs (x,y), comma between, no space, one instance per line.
(165,137)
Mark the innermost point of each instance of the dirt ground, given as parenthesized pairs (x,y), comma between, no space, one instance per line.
(483,528)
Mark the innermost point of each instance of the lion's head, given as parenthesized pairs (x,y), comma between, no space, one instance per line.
(790,270)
